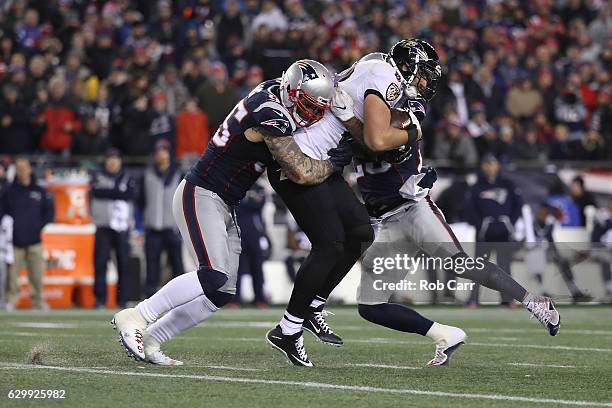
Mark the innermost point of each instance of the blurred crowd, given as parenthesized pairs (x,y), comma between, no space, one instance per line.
(523,79)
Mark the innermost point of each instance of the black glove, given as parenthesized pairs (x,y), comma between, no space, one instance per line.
(341,155)
(429,179)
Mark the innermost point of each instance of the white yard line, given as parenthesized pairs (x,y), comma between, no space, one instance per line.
(45,325)
(542,347)
(385,366)
(43,335)
(541,365)
(218,367)
(535,331)
(308,384)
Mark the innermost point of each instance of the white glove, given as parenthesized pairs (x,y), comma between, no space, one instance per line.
(417,124)
(342,105)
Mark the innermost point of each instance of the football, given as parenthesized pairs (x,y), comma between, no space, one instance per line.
(400,118)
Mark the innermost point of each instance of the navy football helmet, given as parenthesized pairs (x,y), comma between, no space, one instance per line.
(417,59)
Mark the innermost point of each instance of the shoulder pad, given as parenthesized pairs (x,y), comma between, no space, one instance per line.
(274,118)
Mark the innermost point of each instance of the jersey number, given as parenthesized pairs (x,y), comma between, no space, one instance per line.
(370,168)
(222,135)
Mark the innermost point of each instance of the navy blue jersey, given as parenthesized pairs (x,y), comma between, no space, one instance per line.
(383,185)
(231,163)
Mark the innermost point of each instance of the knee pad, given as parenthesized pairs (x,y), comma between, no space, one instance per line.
(211,279)
(220,299)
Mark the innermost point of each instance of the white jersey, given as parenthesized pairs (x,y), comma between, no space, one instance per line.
(363,78)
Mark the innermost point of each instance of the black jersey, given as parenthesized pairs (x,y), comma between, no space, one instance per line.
(231,163)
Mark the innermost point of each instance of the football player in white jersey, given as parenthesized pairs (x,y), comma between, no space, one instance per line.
(335,221)
(395,187)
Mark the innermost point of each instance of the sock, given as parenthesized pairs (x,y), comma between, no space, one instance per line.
(528,298)
(437,332)
(317,301)
(493,277)
(290,324)
(178,291)
(396,317)
(182,318)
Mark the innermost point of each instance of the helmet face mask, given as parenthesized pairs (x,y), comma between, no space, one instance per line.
(306,91)
(418,63)
(306,110)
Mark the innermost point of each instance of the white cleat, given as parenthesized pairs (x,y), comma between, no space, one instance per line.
(543,309)
(158,357)
(154,355)
(447,346)
(131,326)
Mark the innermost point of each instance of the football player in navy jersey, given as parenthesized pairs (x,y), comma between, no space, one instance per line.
(255,134)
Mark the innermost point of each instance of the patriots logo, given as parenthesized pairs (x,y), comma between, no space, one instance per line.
(308,71)
(418,108)
(500,195)
(279,124)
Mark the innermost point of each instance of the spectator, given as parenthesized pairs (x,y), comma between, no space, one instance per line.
(570,111)
(15,135)
(58,117)
(523,100)
(494,205)
(601,120)
(173,88)
(112,194)
(217,97)
(162,122)
(31,208)
(159,183)
(29,33)
(581,197)
(191,130)
(492,91)
(234,24)
(560,148)
(271,17)
(453,144)
(137,139)
(255,243)
(590,147)
(528,147)
(100,55)
(89,140)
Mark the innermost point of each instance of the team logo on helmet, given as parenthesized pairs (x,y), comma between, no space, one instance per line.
(393,92)
(308,71)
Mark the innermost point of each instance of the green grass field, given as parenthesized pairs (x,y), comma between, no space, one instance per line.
(508,361)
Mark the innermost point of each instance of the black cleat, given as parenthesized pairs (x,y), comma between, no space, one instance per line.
(291,346)
(315,324)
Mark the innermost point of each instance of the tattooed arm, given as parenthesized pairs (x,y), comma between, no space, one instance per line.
(298,167)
